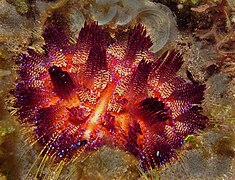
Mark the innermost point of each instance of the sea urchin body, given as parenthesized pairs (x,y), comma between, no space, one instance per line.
(106,91)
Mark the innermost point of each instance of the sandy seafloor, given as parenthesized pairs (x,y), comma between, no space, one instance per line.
(209,57)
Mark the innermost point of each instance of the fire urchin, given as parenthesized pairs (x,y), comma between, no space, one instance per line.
(106,91)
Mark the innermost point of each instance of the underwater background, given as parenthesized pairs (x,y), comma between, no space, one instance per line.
(203,30)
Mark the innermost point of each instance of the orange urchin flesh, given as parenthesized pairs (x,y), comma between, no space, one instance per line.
(106,91)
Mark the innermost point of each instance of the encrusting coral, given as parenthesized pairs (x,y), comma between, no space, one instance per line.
(157,18)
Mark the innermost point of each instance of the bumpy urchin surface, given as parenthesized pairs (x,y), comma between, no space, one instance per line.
(104,91)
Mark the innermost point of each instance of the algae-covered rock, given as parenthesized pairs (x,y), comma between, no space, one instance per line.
(212,159)
(108,163)
(207,156)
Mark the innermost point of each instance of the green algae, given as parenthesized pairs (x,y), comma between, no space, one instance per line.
(6,127)
(193,141)
(190,1)
(224,111)
(22,6)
